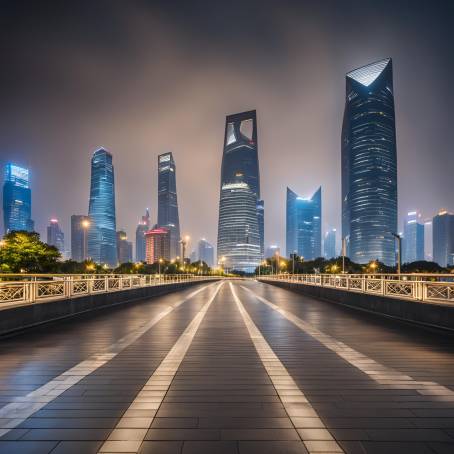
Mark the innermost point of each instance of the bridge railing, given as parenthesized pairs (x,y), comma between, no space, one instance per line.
(420,287)
(31,288)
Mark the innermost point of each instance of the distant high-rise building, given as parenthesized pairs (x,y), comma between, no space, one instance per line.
(142,227)
(205,252)
(272,250)
(241,210)
(413,239)
(17,199)
(428,241)
(102,240)
(79,237)
(304,222)
(369,164)
(157,244)
(329,244)
(124,247)
(167,201)
(193,257)
(443,238)
(55,236)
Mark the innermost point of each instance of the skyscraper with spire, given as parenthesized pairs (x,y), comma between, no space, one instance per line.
(241,211)
(142,227)
(102,237)
(369,164)
(304,225)
(168,202)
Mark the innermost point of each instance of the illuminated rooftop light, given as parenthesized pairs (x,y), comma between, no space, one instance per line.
(369,73)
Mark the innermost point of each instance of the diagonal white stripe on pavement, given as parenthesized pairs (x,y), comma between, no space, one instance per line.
(293,399)
(381,374)
(23,407)
(142,410)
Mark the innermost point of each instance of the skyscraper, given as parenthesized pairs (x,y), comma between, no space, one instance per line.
(303,226)
(241,211)
(443,238)
(413,241)
(157,244)
(55,235)
(272,250)
(79,237)
(167,201)
(124,247)
(369,164)
(142,227)
(205,252)
(102,241)
(17,199)
(329,245)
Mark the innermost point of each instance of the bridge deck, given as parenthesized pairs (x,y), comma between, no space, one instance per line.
(243,368)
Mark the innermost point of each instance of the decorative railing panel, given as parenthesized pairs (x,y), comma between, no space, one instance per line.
(438,288)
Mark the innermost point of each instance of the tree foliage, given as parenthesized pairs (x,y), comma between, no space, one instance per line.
(24,252)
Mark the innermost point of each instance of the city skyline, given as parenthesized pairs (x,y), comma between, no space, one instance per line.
(290,127)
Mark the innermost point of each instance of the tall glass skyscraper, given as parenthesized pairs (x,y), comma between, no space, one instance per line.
(241,211)
(102,239)
(329,244)
(55,235)
(205,252)
(369,164)
(304,225)
(443,238)
(17,199)
(168,202)
(413,240)
(142,227)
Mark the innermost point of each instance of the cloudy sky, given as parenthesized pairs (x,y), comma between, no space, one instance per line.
(144,77)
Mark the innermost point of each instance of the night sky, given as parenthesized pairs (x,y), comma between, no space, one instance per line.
(141,78)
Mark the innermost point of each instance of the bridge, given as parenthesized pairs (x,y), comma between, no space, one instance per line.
(225,366)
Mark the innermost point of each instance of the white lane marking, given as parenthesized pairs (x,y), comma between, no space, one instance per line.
(314,434)
(381,374)
(130,431)
(23,407)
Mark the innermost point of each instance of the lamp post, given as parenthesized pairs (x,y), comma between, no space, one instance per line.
(399,250)
(85,227)
(184,242)
(344,250)
(159,268)
(277,260)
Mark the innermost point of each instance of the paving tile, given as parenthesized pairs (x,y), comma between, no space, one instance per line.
(271,447)
(210,447)
(161,447)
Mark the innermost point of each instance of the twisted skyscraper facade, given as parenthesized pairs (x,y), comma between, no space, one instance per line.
(168,202)
(369,164)
(102,236)
(241,211)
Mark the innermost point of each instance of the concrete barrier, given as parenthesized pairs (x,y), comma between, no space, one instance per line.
(17,318)
(431,315)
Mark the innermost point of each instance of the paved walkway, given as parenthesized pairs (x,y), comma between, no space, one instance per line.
(237,367)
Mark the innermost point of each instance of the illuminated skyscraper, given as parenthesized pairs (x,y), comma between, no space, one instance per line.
(124,247)
(369,165)
(241,211)
(79,237)
(205,252)
(303,226)
(329,244)
(157,244)
(55,235)
(142,227)
(167,201)
(102,240)
(443,238)
(17,199)
(413,240)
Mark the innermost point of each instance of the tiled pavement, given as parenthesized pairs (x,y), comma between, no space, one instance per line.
(317,378)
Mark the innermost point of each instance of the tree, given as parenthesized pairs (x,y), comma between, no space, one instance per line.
(24,252)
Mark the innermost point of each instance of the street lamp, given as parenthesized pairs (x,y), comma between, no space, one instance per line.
(399,250)
(277,262)
(159,267)
(184,242)
(85,226)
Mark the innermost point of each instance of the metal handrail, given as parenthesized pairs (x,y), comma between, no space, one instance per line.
(33,288)
(421,287)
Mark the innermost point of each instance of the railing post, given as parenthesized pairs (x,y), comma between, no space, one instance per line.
(106,283)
